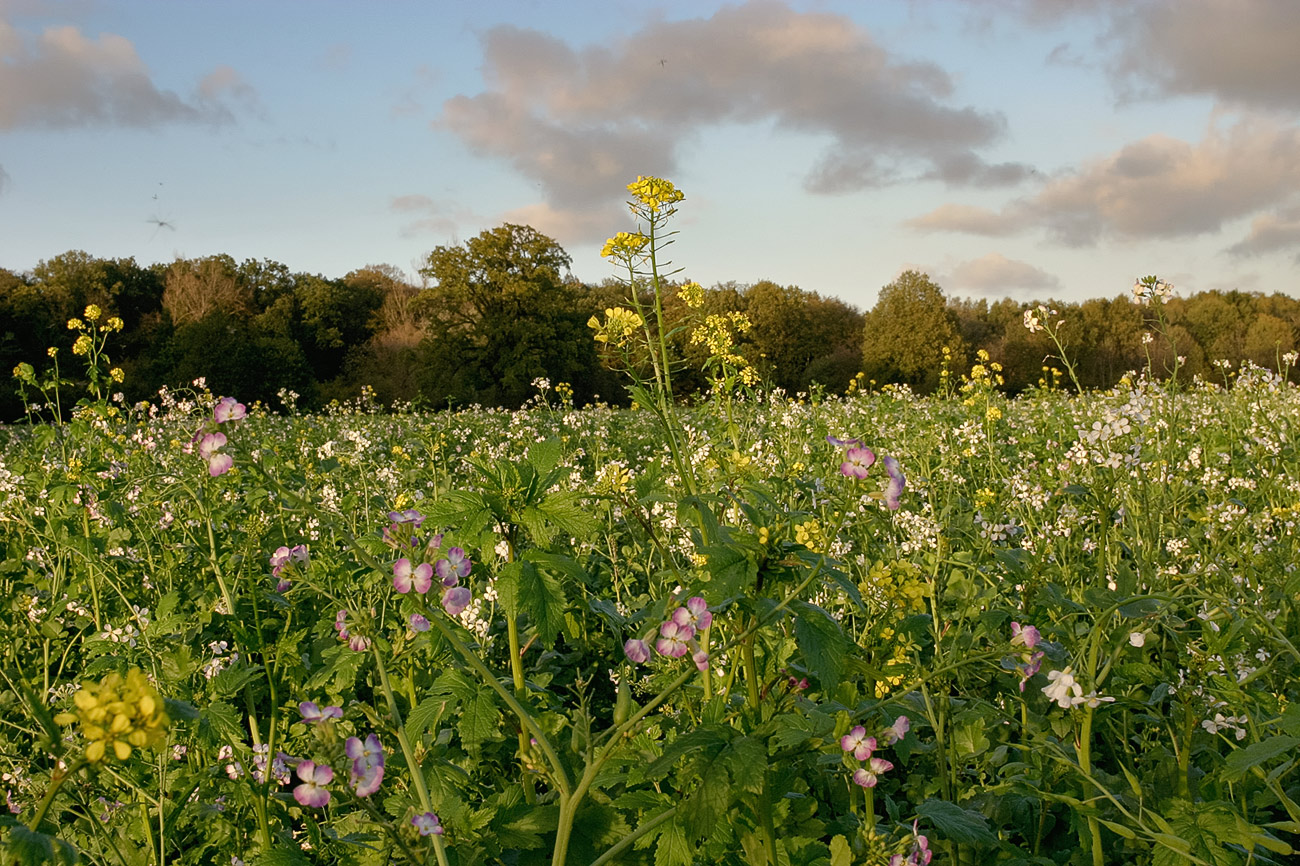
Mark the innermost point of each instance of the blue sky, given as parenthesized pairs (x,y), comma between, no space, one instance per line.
(1009,148)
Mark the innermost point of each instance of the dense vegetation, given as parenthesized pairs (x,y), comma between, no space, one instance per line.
(868,629)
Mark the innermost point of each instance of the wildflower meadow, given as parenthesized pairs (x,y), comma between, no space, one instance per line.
(763,629)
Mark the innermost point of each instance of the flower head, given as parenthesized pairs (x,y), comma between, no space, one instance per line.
(228,409)
(118,714)
(456,600)
(857,460)
(653,193)
(454,567)
(1062,688)
(897,730)
(894,489)
(637,651)
(624,245)
(406,577)
(694,613)
(673,638)
(314,778)
(857,742)
(1026,636)
(367,764)
(312,714)
(419,622)
(868,776)
(427,824)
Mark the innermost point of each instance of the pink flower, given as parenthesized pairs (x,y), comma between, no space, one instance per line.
(312,714)
(359,644)
(220,464)
(314,779)
(701,659)
(406,578)
(857,462)
(844,443)
(228,409)
(637,651)
(869,775)
(367,764)
(673,638)
(419,623)
(454,567)
(1026,636)
(897,730)
(456,600)
(210,444)
(695,614)
(857,742)
(894,489)
(427,824)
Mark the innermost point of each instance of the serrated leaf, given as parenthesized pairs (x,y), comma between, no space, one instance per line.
(545,455)
(700,738)
(746,761)
(960,825)
(524,588)
(424,715)
(731,568)
(700,811)
(467,512)
(822,642)
(673,849)
(281,857)
(479,720)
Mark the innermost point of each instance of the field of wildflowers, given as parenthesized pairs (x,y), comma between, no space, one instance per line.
(768,629)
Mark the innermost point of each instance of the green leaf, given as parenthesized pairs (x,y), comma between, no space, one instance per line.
(479,719)
(468,512)
(700,738)
(281,857)
(701,810)
(673,849)
(841,852)
(524,588)
(32,848)
(969,739)
(821,641)
(545,455)
(960,825)
(746,760)
(1240,762)
(424,715)
(732,569)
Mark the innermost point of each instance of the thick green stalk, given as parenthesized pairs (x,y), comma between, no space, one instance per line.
(417,774)
(521,688)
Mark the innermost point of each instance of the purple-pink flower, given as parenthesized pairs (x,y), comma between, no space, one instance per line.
(1026,636)
(637,651)
(427,824)
(894,489)
(673,639)
(897,730)
(857,742)
(209,448)
(844,443)
(701,659)
(454,567)
(419,622)
(857,462)
(406,577)
(868,776)
(694,613)
(314,779)
(312,714)
(228,409)
(456,600)
(920,853)
(367,763)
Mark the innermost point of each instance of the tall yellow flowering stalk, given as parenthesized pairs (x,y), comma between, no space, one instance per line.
(116,715)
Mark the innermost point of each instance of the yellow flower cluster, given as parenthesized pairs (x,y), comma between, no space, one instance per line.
(82,345)
(811,535)
(624,245)
(718,334)
(692,295)
(118,714)
(93,313)
(618,328)
(653,193)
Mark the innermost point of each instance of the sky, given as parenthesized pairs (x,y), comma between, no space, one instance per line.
(1030,149)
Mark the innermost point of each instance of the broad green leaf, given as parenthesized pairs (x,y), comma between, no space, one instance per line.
(673,849)
(479,719)
(522,587)
(700,738)
(424,715)
(821,641)
(969,739)
(960,825)
(1240,762)
(732,569)
(841,852)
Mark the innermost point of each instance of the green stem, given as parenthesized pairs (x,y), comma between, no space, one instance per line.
(417,774)
(623,844)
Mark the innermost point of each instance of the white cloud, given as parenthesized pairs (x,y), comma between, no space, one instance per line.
(63,79)
(1157,187)
(995,274)
(582,122)
(1270,232)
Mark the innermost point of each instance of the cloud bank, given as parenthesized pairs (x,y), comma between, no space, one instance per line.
(582,122)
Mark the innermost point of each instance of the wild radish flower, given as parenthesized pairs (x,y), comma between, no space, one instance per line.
(367,764)
(285,561)
(406,578)
(701,659)
(920,855)
(1026,636)
(637,651)
(312,714)
(857,462)
(314,778)
(456,600)
(893,490)
(1137,639)
(427,824)
(228,409)
(673,639)
(1029,667)
(454,567)
(694,614)
(868,776)
(1093,700)
(844,443)
(857,742)
(1062,688)
(419,623)
(897,730)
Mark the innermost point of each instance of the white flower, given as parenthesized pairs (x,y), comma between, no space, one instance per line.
(1137,638)
(1062,688)
(1093,700)
(1032,324)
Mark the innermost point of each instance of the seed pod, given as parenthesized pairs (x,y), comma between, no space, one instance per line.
(623,704)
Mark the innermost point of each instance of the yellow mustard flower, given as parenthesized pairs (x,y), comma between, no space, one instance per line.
(654,192)
(692,295)
(618,328)
(624,245)
(82,346)
(117,715)
(75,324)
(116,374)
(115,324)
(93,312)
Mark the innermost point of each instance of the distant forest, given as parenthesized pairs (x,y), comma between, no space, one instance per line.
(501,310)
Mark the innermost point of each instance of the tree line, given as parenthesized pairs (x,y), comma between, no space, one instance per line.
(492,315)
